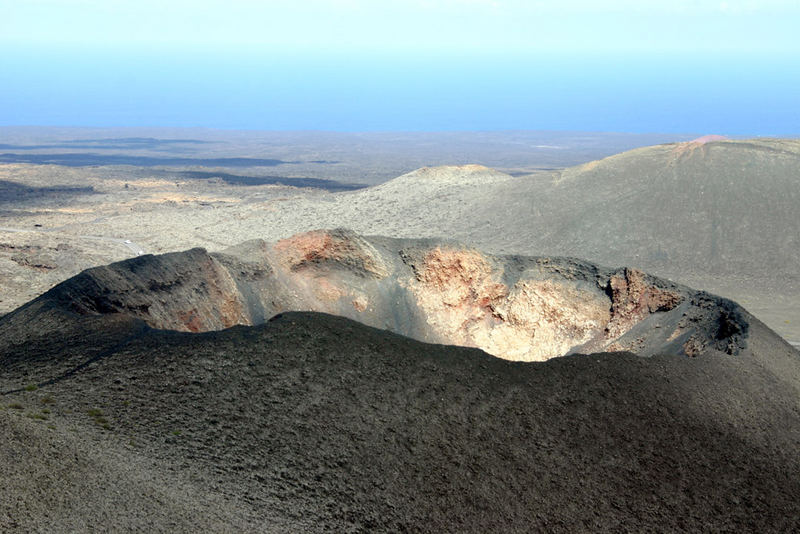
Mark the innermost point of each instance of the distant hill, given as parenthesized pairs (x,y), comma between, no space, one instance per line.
(722,215)
(720,208)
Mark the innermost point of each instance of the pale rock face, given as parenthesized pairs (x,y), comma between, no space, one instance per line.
(556,316)
(533,320)
(459,294)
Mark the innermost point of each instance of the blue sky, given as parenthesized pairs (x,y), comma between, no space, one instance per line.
(684,65)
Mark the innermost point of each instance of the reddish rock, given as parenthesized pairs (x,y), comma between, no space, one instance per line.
(633,298)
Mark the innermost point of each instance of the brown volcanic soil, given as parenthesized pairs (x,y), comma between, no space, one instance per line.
(313,422)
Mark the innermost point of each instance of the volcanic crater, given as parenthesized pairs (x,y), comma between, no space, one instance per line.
(513,307)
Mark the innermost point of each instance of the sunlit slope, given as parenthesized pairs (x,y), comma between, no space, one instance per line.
(725,208)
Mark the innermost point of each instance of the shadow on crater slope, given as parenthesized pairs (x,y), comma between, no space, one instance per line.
(14,192)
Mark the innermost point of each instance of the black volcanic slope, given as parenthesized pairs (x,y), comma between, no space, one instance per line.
(313,422)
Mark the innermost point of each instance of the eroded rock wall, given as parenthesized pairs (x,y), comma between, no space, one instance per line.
(467,303)
(187,291)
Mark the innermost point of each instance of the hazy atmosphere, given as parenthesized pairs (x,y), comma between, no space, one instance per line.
(356,65)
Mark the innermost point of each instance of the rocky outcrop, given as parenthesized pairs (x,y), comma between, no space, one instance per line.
(467,303)
(337,249)
(519,308)
(633,298)
(189,291)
